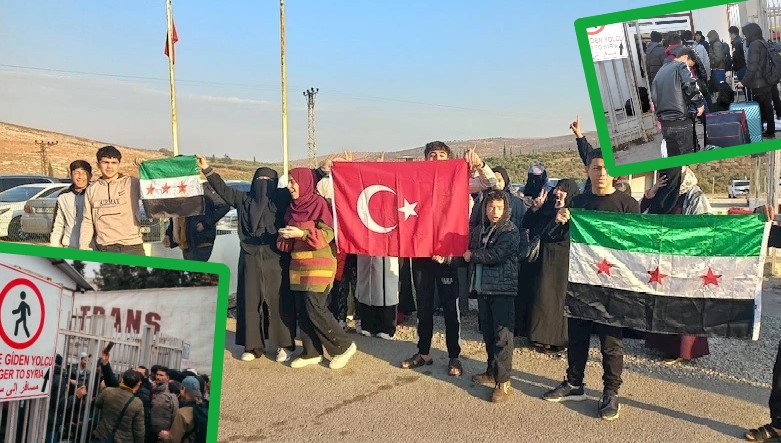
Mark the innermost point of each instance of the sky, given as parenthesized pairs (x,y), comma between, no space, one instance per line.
(392,74)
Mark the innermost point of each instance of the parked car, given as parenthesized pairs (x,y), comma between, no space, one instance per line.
(738,187)
(12,202)
(12,181)
(552,182)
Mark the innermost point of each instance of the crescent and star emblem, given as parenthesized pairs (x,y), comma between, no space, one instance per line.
(366,218)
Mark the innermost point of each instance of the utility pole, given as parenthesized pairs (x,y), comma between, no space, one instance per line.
(285,160)
(44,156)
(310,106)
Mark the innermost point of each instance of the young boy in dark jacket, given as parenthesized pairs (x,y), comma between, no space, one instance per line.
(493,261)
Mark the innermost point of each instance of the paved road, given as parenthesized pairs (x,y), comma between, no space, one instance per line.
(373,400)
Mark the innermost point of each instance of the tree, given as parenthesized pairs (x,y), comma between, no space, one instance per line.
(227,159)
(116,277)
(78,265)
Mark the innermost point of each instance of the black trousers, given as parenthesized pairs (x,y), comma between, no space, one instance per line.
(319,328)
(497,320)
(406,298)
(775,393)
(679,136)
(263,280)
(764,97)
(774,96)
(376,319)
(427,276)
(611,344)
(198,254)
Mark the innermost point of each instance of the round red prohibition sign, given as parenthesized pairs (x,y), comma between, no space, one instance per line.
(598,30)
(11,285)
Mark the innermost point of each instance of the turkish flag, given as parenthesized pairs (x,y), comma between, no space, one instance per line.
(402,209)
(174,40)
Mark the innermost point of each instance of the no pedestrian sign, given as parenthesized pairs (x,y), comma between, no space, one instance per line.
(29,323)
(607,42)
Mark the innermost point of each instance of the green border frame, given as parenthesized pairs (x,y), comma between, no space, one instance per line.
(600,121)
(215,392)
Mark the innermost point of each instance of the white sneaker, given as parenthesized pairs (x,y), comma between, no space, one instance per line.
(365,332)
(385,336)
(248,356)
(340,361)
(283,355)
(304,362)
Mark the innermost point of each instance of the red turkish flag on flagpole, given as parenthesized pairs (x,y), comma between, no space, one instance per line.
(173,46)
(402,209)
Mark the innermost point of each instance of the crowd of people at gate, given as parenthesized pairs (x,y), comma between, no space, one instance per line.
(687,76)
(140,405)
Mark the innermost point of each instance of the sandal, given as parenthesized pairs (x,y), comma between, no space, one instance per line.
(416,361)
(763,434)
(454,367)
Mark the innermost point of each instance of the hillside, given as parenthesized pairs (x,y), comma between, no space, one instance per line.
(20,154)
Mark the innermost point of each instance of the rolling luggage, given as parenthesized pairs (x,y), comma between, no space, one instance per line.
(727,128)
(753,119)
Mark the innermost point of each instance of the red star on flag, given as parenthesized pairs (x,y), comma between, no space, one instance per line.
(150,189)
(656,276)
(710,278)
(182,187)
(603,267)
(166,188)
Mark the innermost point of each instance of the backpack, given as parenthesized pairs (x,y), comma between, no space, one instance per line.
(164,408)
(727,57)
(773,69)
(201,419)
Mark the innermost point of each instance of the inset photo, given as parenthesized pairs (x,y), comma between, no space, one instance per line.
(671,86)
(95,352)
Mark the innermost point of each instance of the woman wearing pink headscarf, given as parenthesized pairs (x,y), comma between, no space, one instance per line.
(308,237)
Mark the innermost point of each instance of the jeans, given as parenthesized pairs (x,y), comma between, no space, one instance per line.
(197,254)
(123,249)
(612,347)
(679,136)
(719,76)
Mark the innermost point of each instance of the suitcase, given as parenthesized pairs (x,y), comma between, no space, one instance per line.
(726,128)
(753,119)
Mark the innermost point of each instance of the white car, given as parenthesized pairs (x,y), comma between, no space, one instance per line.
(230,222)
(738,187)
(12,203)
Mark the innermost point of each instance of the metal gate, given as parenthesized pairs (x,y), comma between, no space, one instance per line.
(68,415)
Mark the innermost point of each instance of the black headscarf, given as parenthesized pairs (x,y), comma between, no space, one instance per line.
(261,193)
(568,185)
(505,176)
(666,197)
(535,182)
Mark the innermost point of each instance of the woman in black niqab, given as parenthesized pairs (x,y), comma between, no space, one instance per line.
(265,309)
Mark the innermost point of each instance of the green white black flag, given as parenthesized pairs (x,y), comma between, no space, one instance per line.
(673,274)
(171,187)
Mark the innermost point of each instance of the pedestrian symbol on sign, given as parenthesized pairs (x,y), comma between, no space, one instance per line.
(23,310)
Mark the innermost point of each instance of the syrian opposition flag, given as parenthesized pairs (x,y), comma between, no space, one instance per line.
(674,274)
(171,187)
(402,209)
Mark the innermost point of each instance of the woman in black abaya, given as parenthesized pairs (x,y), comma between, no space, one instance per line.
(263,269)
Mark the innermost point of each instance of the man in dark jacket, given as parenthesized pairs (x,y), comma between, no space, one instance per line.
(738,52)
(195,235)
(756,67)
(654,56)
(130,424)
(673,90)
(698,37)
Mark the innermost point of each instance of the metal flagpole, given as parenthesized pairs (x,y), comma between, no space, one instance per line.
(174,126)
(285,165)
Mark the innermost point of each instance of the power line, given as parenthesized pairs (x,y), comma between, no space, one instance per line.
(260,86)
